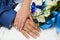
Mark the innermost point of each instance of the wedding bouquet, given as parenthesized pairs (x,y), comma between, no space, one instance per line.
(46,13)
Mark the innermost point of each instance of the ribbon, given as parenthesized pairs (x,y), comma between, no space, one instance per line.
(54,19)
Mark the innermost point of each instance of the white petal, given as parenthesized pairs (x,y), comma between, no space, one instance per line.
(49,2)
(35,14)
(54,3)
(48,7)
(41,18)
(47,13)
(38,2)
(38,12)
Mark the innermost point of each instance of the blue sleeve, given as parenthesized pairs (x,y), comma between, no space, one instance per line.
(7,13)
(7,17)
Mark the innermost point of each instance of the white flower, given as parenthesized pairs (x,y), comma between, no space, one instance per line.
(47,13)
(48,2)
(38,12)
(51,3)
(47,7)
(54,3)
(41,18)
(38,2)
(35,14)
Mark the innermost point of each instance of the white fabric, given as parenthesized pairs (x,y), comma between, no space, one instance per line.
(13,34)
(18,1)
(58,36)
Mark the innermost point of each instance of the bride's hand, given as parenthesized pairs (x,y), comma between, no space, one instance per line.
(30,29)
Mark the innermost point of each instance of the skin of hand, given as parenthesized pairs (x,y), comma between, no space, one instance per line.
(22,14)
(24,23)
(30,29)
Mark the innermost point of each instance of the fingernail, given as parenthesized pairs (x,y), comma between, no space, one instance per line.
(27,37)
(20,29)
(39,30)
(35,37)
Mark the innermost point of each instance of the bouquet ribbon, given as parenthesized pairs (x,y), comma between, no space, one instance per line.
(55,19)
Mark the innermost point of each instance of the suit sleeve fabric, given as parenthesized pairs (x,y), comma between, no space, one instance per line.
(7,13)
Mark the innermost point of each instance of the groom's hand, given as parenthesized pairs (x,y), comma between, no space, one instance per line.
(30,29)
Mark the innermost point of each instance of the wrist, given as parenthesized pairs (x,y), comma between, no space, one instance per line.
(26,2)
